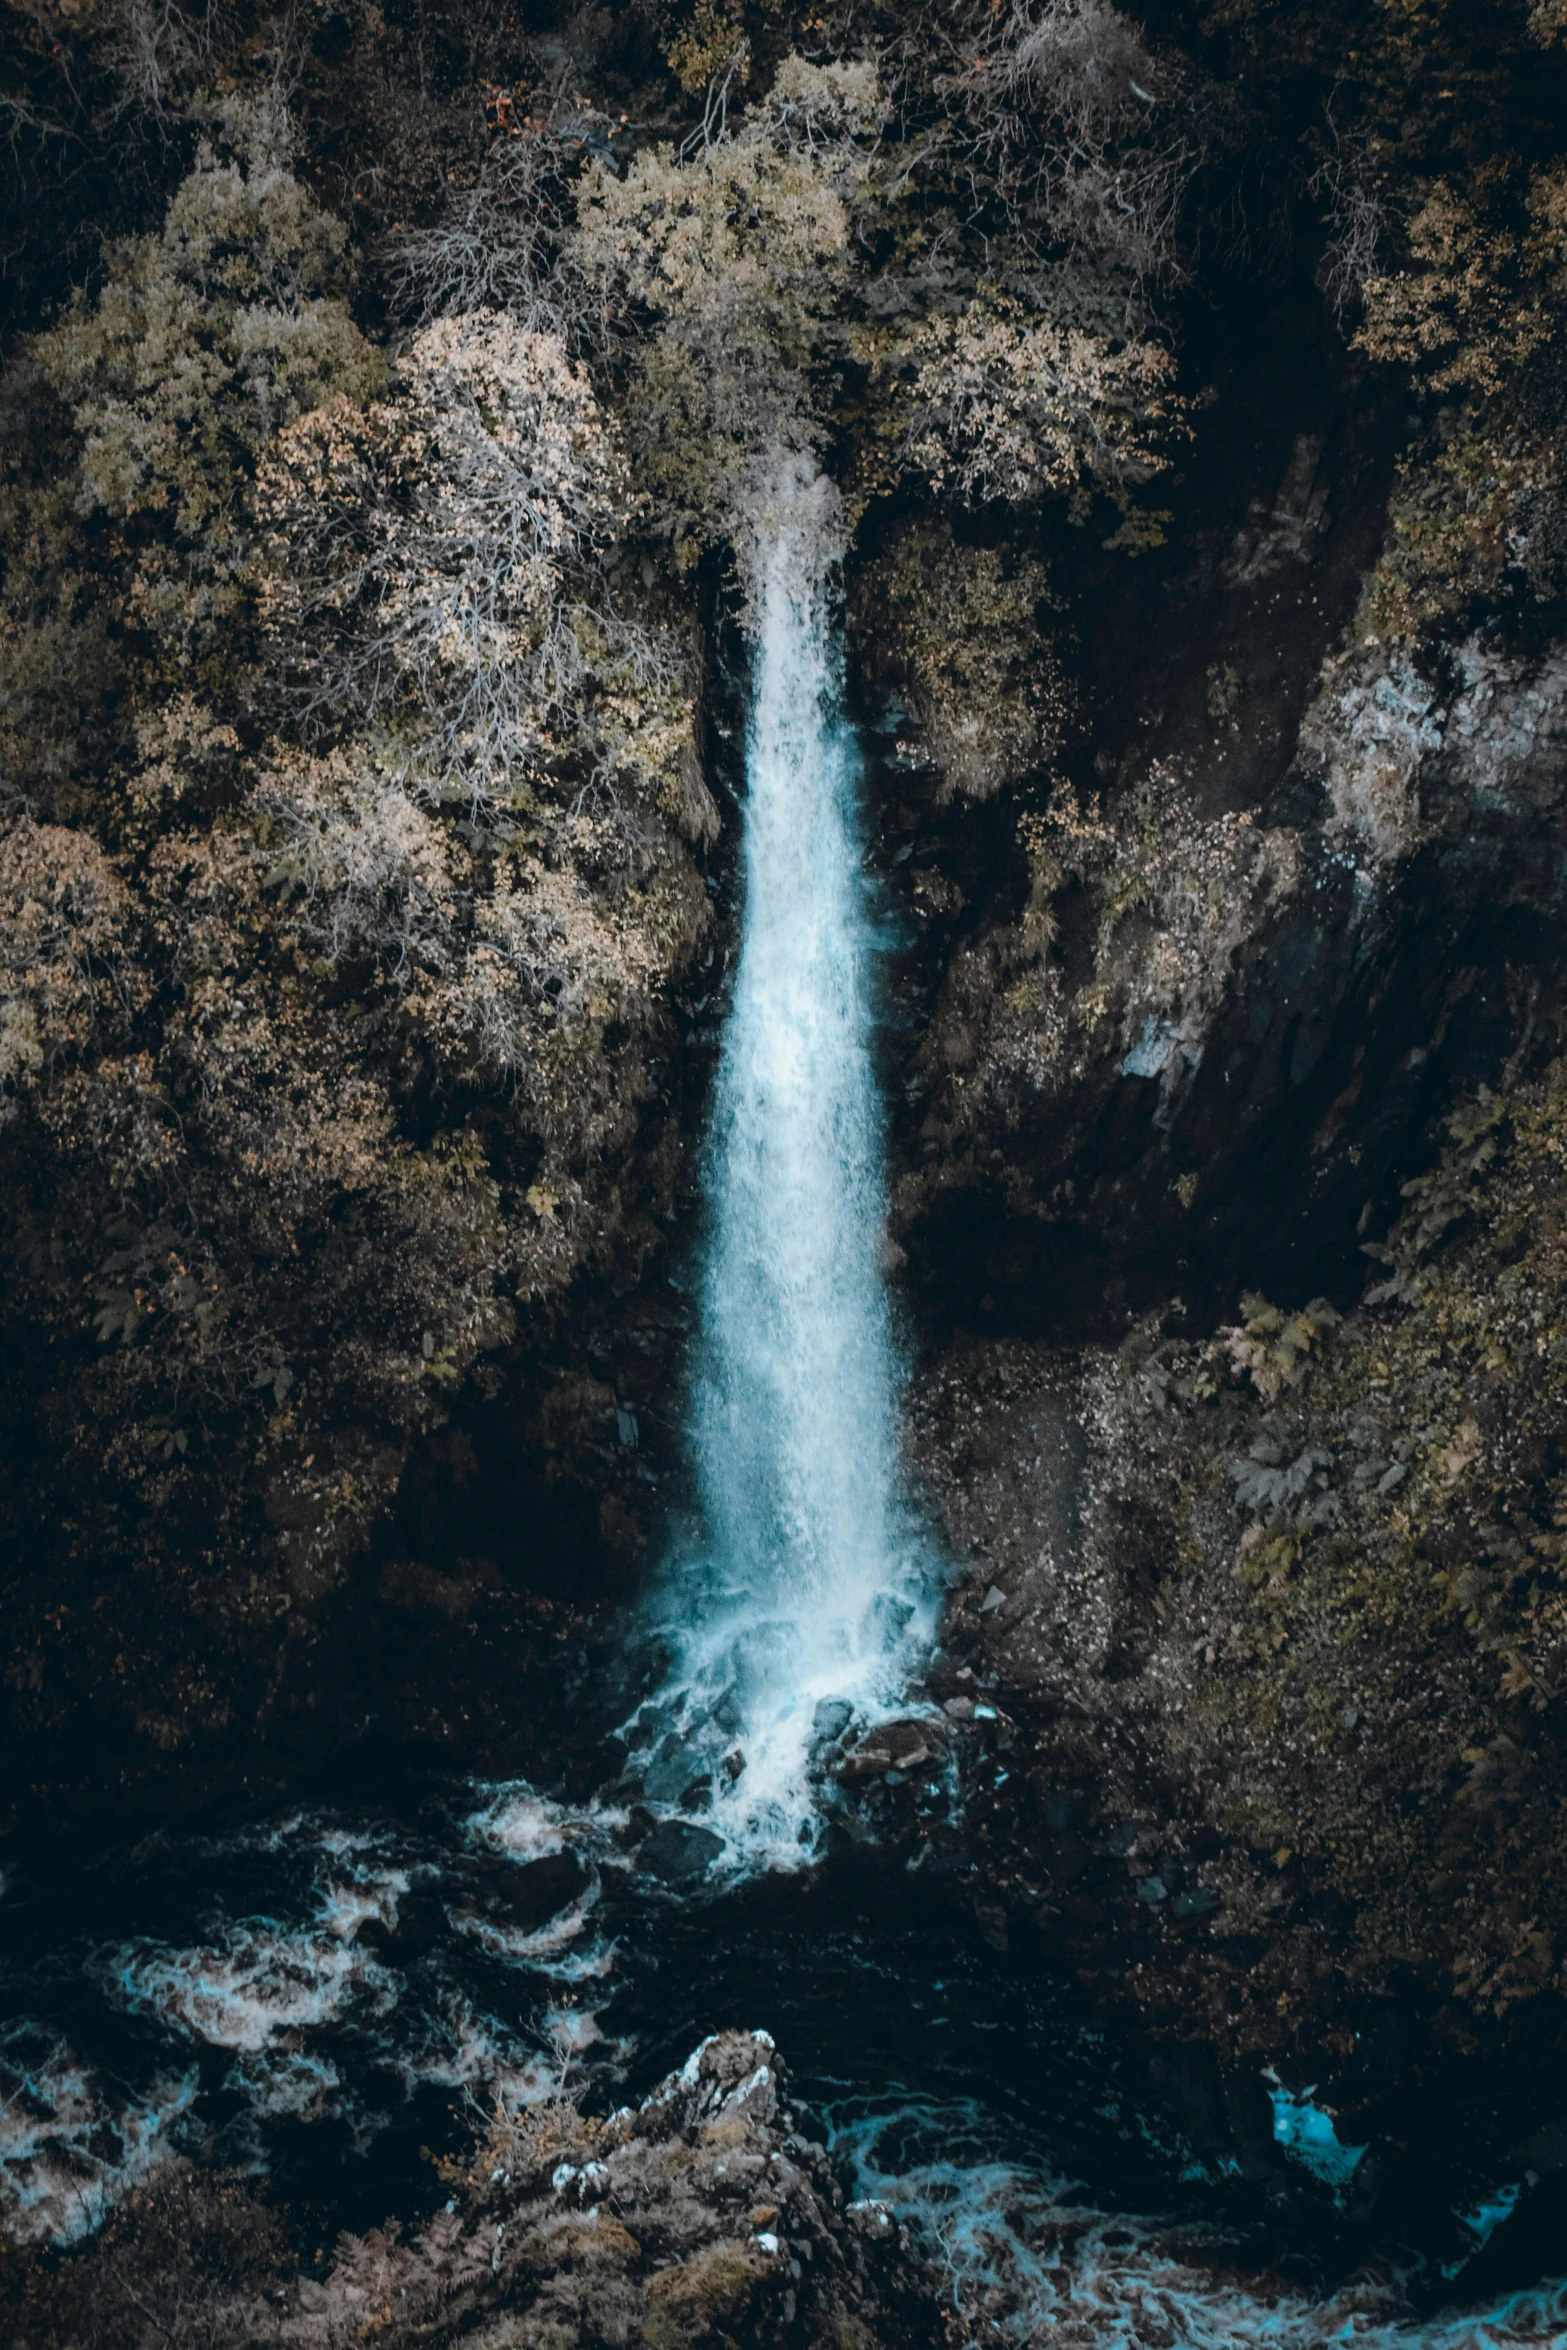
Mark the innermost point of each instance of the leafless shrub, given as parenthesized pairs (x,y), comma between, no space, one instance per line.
(366,866)
(157,45)
(1088,138)
(497,247)
(160,55)
(714,125)
(502,240)
(1343,184)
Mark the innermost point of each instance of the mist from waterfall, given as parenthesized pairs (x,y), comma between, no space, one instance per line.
(804,1589)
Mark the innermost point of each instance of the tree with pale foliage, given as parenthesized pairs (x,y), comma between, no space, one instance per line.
(437,558)
(1003,404)
(730,263)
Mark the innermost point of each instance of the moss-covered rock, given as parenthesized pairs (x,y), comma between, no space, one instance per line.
(1290,1599)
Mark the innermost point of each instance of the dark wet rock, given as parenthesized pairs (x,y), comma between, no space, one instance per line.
(675,1765)
(1545,2149)
(831,1729)
(991,1919)
(728,1714)
(1069,1857)
(540,1889)
(678,1851)
(1195,1901)
(1332,1738)
(702,2215)
(917,1747)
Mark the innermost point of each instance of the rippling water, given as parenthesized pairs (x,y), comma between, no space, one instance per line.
(319,1995)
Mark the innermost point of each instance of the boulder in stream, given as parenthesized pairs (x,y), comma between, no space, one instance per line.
(916,1748)
(677,1850)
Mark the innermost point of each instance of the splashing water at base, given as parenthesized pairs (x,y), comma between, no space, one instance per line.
(808,1582)
(1027,2259)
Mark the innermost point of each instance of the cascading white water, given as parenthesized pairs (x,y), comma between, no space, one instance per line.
(805,1581)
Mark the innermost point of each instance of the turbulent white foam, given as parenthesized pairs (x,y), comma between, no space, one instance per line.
(297,2082)
(526,1826)
(353,1904)
(462,2048)
(257,1987)
(68,2145)
(807,1579)
(259,1984)
(259,1990)
(567,1949)
(263,1989)
(1027,2262)
(574,2030)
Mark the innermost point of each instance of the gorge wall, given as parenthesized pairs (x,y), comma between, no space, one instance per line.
(382,387)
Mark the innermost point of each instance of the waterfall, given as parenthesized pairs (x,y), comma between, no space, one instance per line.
(803,1595)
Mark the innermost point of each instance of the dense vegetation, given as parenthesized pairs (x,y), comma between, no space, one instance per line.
(388,394)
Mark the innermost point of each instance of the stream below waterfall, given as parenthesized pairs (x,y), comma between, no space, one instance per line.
(325,1995)
(328,1996)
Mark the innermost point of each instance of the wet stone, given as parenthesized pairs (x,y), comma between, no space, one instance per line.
(911,1748)
(991,1919)
(727,1714)
(675,1766)
(1195,1902)
(650,1719)
(541,1888)
(1069,1860)
(675,1850)
(830,1720)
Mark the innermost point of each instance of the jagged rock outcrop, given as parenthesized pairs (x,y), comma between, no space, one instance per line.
(701,2216)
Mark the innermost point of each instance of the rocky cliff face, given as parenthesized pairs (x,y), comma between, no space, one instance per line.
(1194,389)
(1225,1184)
